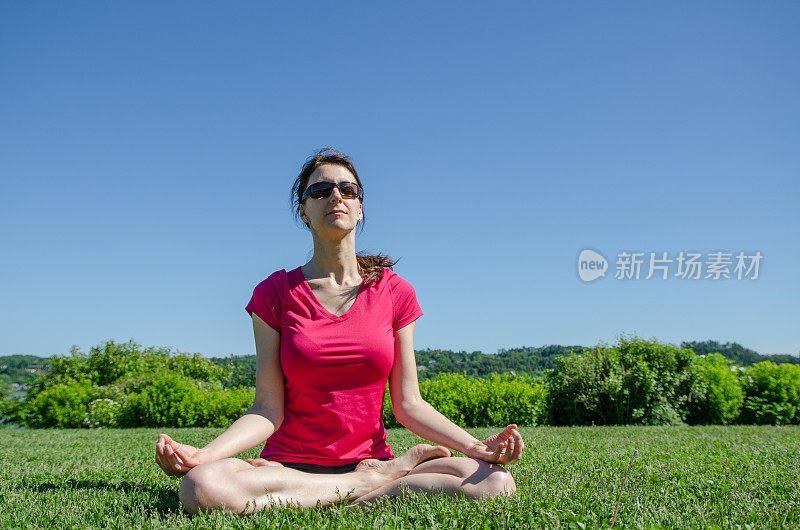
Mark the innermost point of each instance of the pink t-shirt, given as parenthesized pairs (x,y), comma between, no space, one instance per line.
(335,367)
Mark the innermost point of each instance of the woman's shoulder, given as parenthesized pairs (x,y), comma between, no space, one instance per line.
(394,281)
(274,281)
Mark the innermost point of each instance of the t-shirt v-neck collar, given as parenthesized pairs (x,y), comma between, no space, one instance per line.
(313,297)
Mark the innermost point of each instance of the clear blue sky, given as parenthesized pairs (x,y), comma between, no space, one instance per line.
(148,148)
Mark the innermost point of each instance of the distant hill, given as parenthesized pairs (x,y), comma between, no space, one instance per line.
(243,369)
(737,353)
(524,360)
(21,369)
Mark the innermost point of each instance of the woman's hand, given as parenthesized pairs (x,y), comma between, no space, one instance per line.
(503,448)
(177,459)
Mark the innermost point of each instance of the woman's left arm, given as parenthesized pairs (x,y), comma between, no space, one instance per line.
(418,416)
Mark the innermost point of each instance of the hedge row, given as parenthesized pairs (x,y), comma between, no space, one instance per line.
(472,402)
(647,382)
(167,400)
(633,381)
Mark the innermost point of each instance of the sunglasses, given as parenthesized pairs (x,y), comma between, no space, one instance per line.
(320,190)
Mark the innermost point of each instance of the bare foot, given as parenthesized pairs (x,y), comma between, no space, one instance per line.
(262,462)
(390,470)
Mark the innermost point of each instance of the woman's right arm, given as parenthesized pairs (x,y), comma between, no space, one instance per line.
(256,424)
(266,415)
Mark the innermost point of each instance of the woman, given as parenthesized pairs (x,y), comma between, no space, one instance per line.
(328,335)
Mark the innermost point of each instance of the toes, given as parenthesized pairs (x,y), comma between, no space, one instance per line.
(442,451)
(262,462)
(426,451)
(369,463)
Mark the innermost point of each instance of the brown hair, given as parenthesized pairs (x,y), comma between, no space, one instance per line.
(370,267)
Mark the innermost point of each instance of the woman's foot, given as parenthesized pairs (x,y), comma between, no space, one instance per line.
(262,462)
(389,470)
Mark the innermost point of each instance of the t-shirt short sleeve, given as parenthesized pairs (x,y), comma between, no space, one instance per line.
(266,303)
(406,307)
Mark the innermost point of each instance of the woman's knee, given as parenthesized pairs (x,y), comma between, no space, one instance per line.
(478,478)
(210,486)
(497,482)
(500,483)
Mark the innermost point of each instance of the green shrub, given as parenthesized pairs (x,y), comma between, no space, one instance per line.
(772,394)
(62,405)
(110,362)
(514,399)
(114,371)
(114,392)
(132,384)
(635,381)
(389,421)
(170,401)
(13,409)
(474,402)
(197,367)
(716,395)
(220,407)
(586,388)
(102,412)
(7,406)
(173,400)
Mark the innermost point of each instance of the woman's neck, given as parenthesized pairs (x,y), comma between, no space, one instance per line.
(335,260)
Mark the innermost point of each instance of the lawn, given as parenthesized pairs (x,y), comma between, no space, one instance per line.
(734,476)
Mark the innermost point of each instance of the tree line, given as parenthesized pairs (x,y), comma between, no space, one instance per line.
(530,360)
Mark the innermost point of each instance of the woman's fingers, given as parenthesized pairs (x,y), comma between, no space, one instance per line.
(520,441)
(514,446)
(508,432)
(172,458)
(159,462)
(507,454)
(518,447)
(173,446)
(180,470)
(498,451)
(161,457)
(184,455)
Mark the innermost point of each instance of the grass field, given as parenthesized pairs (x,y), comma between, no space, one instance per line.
(740,476)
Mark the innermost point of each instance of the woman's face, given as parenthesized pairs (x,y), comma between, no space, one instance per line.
(332,213)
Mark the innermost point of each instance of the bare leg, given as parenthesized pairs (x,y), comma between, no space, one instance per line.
(242,488)
(451,476)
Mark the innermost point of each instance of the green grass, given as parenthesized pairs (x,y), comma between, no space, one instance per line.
(739,476)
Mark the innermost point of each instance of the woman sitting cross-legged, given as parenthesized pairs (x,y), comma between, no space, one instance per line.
(329,334)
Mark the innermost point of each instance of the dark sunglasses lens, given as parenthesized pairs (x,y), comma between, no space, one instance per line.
(320,190)
(324,189)
(348,189)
